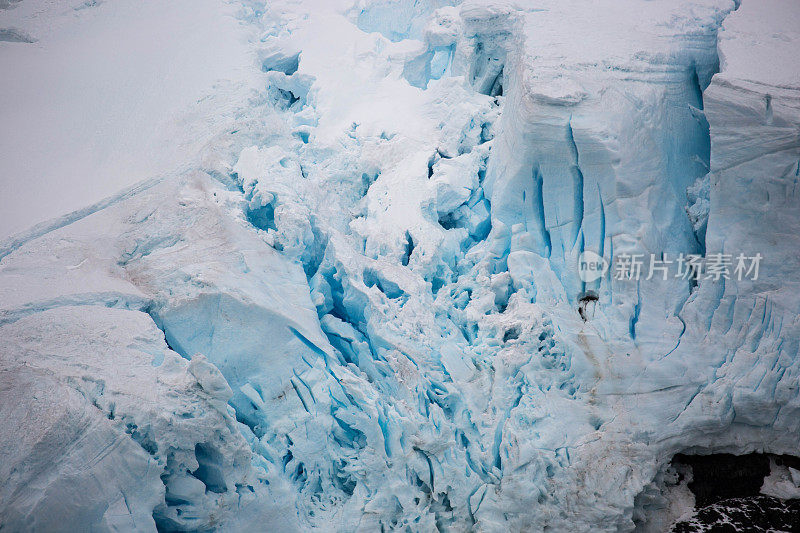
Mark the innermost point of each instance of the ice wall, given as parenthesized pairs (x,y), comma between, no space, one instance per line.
(371,277)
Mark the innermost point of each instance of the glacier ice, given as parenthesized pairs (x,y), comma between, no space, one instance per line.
(356,306)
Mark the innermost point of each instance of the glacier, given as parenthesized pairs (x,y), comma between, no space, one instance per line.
(341,290)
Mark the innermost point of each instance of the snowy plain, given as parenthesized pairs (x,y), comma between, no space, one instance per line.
(109,94)
(314,264)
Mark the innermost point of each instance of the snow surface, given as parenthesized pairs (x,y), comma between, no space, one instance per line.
(110,93)
(354,306)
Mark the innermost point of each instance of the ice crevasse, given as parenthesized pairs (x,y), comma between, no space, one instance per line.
(356,308)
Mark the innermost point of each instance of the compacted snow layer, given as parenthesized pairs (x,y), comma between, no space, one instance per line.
(370,276)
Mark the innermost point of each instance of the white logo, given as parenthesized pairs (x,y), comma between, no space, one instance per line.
(591,266)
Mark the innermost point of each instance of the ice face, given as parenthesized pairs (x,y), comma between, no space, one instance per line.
(362,309)
(116,431)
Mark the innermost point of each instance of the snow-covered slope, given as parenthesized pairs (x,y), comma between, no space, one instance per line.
(99,95)
(369,265)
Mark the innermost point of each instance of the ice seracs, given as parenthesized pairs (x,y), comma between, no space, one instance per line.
(108,429)
(366,294)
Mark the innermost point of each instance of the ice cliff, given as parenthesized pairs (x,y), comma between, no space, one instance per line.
(357,306)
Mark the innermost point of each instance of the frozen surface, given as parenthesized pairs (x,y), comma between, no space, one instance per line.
(362,280)
(110,441)
(108,93)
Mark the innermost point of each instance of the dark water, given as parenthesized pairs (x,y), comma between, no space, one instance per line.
(754,513)
(727,494)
